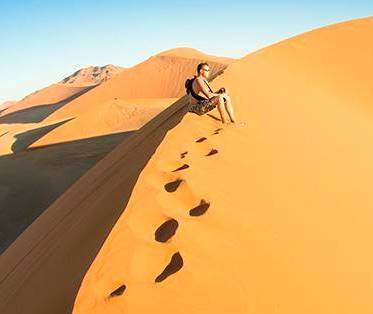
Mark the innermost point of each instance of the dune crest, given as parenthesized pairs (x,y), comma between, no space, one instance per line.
(92,75)
(191,53)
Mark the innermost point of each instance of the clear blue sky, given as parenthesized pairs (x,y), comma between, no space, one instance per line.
(44,41)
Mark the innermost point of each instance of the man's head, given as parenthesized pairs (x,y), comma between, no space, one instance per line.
(203,69)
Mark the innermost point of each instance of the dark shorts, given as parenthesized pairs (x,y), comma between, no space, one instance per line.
(202,106)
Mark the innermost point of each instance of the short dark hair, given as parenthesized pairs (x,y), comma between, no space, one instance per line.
(199,67)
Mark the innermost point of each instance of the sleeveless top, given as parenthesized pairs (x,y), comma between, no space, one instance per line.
(194,94)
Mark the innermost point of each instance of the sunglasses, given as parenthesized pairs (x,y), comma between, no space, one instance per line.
(206,70)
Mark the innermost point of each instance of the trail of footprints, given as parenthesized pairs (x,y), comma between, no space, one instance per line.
(168,229)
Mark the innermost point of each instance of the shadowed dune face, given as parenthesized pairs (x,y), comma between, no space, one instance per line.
(53,94)
(288,225)
(114,116)
(31,180)
(36,110)
(77,218)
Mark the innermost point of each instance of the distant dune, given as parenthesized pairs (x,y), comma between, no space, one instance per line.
(187,216)
(6,104)
(92,75)
(73,85)
(191,53)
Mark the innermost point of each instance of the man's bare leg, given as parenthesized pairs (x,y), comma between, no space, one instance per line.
(229,108)
(218,101)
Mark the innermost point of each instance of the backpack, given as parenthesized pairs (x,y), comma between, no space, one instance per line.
(189,89)
(188,85)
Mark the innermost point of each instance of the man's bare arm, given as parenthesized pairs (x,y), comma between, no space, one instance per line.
(205,90)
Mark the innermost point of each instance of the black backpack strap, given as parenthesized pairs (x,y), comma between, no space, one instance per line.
(208,86)
(190,89)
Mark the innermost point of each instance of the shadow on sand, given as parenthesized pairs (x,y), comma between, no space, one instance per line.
(31,179)
(25,139)
(38,113)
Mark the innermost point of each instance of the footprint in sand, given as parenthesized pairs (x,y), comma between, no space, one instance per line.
(118,292)
(212,152)
(166,230)
(172,186)
(183,167)
(201,139)
(200,209)
(217,131)
(173,266)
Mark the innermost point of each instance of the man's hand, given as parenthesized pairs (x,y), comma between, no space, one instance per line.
(223,91)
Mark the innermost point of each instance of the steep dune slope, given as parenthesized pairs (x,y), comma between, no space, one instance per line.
(275,217)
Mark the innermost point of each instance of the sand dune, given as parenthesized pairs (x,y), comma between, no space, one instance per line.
(6,104)
(159,77)
(192,53)
(52,167)
(114,116)
(92,75)
(188,217)
(39,105)
(76,84)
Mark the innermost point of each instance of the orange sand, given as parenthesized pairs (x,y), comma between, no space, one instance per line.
(92,75)
(4,105)
(288,228)
(106,118)
(103,110)
(41,172)
(115,106)
(66,90)
(52,94)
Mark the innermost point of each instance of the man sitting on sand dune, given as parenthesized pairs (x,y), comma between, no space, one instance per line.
(203,99)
